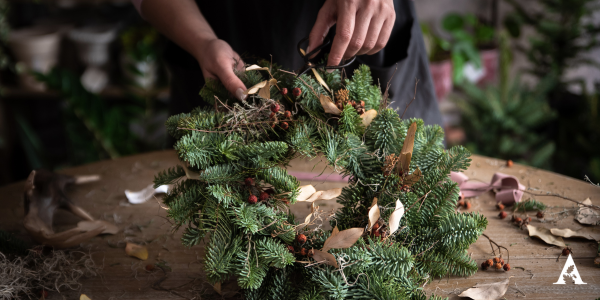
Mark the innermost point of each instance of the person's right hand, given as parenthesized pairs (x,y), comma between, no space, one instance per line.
(217,60)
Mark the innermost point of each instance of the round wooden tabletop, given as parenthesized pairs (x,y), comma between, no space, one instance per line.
(534,264)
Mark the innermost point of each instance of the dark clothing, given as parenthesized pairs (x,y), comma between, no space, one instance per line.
(262,28)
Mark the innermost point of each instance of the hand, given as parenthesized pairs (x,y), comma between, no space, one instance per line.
(217,60)
(363,27)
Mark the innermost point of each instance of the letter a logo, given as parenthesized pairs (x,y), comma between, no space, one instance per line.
(570,270)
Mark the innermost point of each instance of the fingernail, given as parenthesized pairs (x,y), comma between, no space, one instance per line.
(308,50)
(239,93)
(330,70)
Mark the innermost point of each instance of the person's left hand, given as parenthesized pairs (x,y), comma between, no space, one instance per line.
(363,27)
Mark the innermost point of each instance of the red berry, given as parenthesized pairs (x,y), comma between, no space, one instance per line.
(303,252)
(284,91)
(502,215)
(252,199)
(375,226)
(496,260)
(500,206)
(275,107)
(460,203)
(540,214)
(518,220)
(290,248)
(376,234)
(528,220)
(506,267)
(264,196)
(509,163)
(311,252)
(498,266)
(301,239)
(461,196)
(489,262)
(484,266)
(284,125)
(287,114)
(150,267)
(502,261)
(249,181)
(468,205)
(362,103)
(566,251)
(296,92)
(272,116)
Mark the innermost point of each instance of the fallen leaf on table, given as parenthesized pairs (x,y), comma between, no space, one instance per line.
(328,105)
(255,88)
(109,228)
(343,239)
(545,235)
(374,213)
(586,215)
(368,117)
(396,217)
(487,291)
(256,67)
(135,250)
(84,297)
(586,233)
(145,194)
(327,257)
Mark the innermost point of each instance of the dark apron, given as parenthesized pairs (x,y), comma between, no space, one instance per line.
(263,28)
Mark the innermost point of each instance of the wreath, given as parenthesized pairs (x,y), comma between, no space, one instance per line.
(397,230)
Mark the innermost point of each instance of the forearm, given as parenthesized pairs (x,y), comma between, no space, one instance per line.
(181,21)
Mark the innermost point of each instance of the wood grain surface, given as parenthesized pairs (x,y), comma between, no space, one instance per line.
(534,265)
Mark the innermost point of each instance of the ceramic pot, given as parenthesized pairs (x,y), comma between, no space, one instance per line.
(489,60)
(36,50)
(147,71)
(92,45)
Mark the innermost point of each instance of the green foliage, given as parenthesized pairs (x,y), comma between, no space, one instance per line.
(529,205)
(255,242)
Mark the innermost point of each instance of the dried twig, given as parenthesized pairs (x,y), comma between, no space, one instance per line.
(411,101)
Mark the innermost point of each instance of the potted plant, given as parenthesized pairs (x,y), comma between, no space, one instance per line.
(440,66)
(473,52)
(562,33)
(139,60)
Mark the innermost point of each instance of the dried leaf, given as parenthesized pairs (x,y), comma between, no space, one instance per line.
(135,250)
(373,214)
(84,297)
(331,194)
(109,228)
(407,149)
(545,235)
(322,256)
(190,174)
(487,291)
(312,211)
(265,92)
(412,178)
(335,231)
(256,67)
(586,215)
(329,106)
(368,117)
(344,239)
(305,192)
(314,197)
(217,288)
(586,233)
(320,80)
(255,88)
(396,216)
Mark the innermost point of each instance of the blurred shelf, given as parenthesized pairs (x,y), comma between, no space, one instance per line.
(110,92)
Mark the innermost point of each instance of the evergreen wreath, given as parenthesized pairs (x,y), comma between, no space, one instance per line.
(397,230)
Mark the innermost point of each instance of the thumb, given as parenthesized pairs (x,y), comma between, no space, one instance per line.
(325,20)
(231,82)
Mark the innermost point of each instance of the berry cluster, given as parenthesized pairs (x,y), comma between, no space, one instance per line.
(496,263)
(379,230)
(299,249)
(521,222)
(462,202)
(287,115)
(263,195)
(342,98)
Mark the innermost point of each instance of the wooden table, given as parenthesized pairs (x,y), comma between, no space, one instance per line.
(534,262)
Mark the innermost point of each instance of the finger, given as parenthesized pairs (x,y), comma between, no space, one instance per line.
(325,20)
(372,36)
(384,36)
(361,27)
(232,83)
(343,33)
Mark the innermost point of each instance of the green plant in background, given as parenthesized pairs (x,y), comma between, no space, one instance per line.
(140,43)
(467,33)
(437,47)
(96,130)
(507,121)
(563,32)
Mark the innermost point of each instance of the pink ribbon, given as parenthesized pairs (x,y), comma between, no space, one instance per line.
(509,190)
